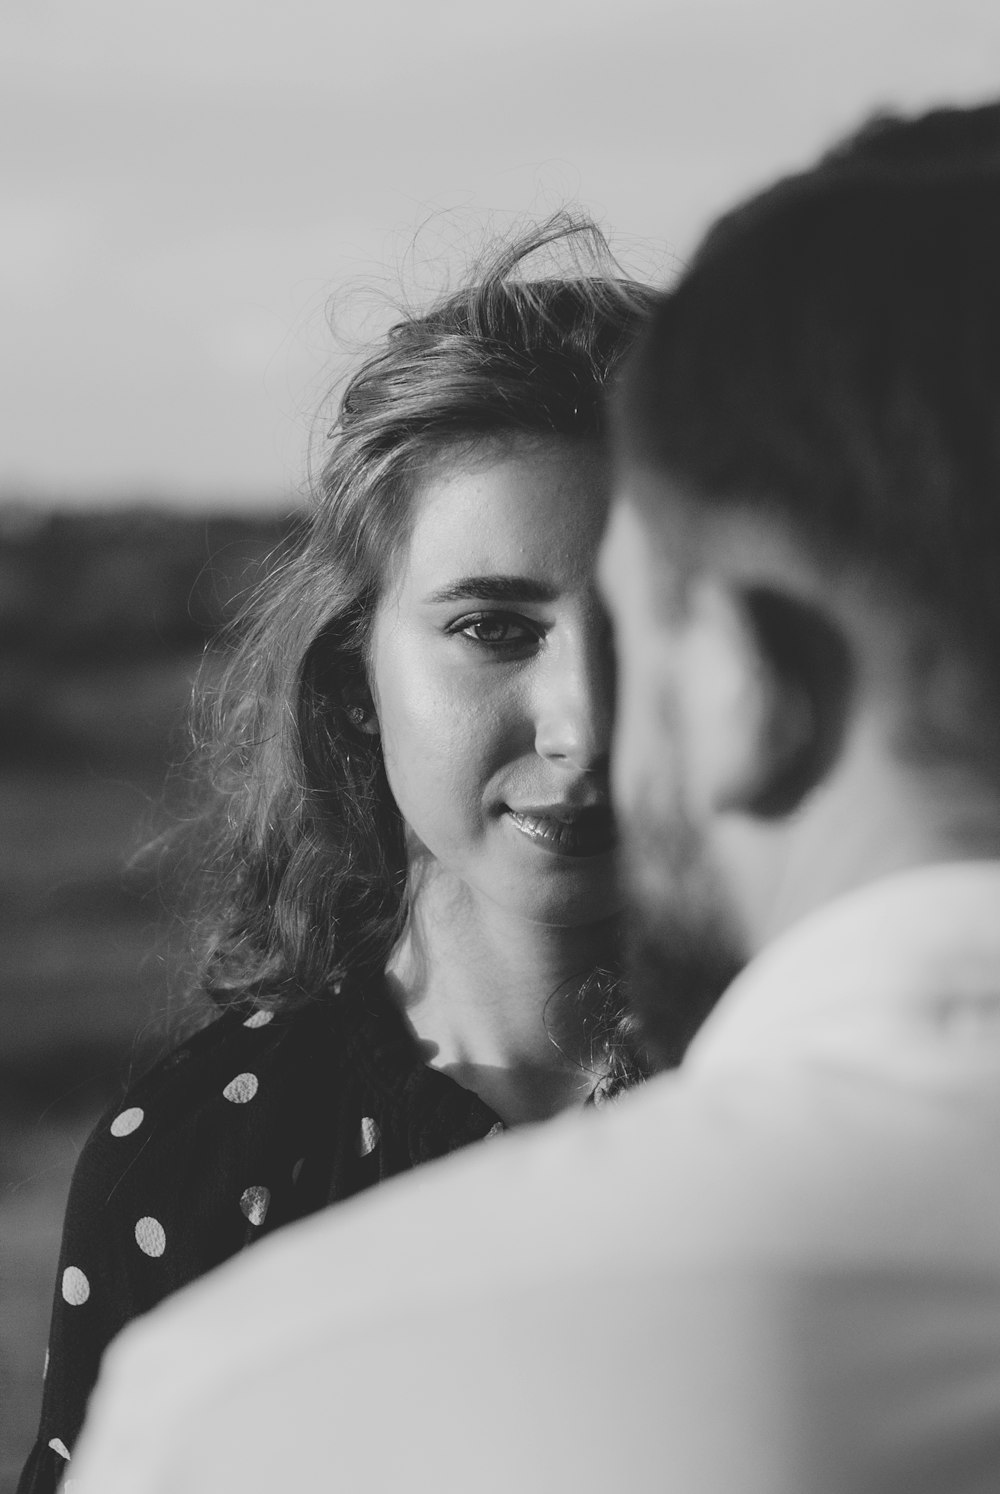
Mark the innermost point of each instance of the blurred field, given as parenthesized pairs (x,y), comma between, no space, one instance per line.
(103,621)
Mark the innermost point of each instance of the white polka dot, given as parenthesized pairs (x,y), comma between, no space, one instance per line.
(495,1130)
(150,1235)
(368,1139)
(75,1286)
(241,1089)
(254,1203)
(57,1445)
(297,1169)
(129,1120)
(259,1019)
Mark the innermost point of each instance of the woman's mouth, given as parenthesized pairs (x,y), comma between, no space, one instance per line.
(577,832)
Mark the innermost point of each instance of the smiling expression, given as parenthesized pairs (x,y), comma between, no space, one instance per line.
(491,672)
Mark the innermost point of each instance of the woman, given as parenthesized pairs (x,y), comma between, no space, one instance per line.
(412,904)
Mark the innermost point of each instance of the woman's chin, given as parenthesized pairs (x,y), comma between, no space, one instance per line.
(522,875)
(565,893)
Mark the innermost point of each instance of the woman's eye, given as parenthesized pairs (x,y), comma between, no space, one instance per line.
(496,631)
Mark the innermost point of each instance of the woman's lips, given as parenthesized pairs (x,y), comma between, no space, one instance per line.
(581,832)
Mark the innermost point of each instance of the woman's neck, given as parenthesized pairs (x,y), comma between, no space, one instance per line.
(481,991)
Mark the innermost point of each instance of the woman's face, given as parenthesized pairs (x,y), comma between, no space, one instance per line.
(491,673)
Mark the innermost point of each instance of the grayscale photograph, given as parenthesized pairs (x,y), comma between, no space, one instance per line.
(500,747)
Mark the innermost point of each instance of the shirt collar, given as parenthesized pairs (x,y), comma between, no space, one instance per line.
(920,948)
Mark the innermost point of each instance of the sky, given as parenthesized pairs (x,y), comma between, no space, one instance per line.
(189,191)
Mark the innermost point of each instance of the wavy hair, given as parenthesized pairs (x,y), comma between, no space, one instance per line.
(303,866)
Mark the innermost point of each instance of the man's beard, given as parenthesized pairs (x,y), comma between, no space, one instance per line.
(683,942)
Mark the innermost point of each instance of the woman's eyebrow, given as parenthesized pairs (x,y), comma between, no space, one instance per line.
(494,589)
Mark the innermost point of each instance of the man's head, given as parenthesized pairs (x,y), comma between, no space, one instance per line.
(803,562)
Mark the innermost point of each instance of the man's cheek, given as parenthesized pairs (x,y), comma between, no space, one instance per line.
(623,764)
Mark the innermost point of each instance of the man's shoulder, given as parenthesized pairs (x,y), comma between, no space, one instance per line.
(737,1176)
(812,1167)
(705,1237)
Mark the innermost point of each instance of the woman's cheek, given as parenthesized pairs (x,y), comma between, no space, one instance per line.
(432,742)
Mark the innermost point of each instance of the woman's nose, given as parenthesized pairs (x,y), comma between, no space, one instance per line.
(575,702)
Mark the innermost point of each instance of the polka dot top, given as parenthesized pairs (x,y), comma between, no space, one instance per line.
(255,1121)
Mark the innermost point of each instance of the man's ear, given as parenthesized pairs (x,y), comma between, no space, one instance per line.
(808,658)
(767,687)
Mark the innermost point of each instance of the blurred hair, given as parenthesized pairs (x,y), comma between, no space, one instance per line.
(833,357)
(304,870)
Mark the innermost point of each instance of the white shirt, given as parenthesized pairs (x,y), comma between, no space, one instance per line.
(774,1271)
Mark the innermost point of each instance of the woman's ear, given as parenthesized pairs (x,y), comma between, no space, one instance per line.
(765,681)
(361,712)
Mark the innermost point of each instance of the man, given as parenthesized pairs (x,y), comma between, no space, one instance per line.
(777,1269)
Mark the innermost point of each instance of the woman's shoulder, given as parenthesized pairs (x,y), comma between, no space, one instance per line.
(242,1055)
(247,1040)
(249,1085)
(198,1158)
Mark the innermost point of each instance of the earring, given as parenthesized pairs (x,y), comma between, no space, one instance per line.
(357,714)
